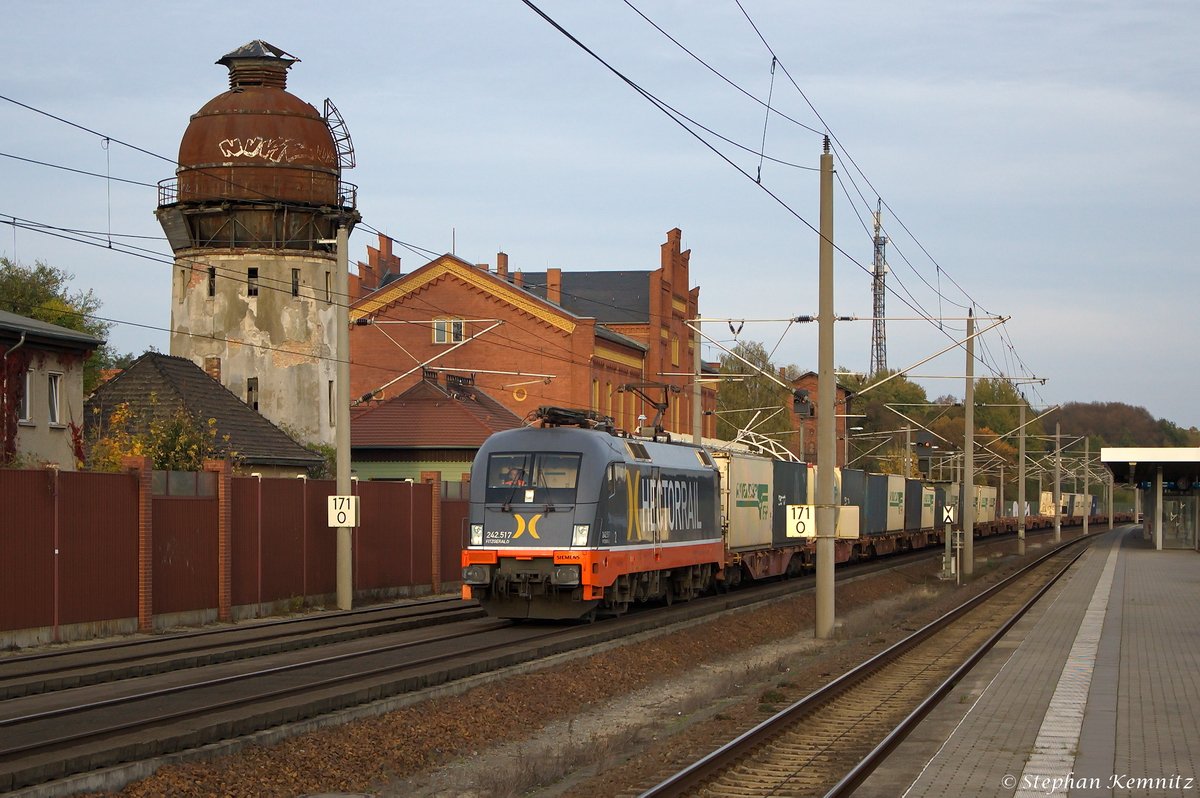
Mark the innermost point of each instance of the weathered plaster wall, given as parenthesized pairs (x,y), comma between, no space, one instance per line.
(286,341)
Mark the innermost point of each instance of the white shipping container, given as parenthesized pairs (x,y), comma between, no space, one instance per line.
(928,506)
(895,503)
(1046,506)
(747,485)
(985,504)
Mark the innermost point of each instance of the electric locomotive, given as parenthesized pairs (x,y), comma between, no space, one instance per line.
(572,520)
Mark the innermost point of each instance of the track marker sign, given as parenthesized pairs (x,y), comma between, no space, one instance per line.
(948,514)
(343,511)
(801,521)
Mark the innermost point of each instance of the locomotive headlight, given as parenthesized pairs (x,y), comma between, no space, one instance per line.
(477,575)
(565,575)
(580,536)
(476,534)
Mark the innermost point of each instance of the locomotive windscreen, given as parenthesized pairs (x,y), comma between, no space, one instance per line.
(551,477)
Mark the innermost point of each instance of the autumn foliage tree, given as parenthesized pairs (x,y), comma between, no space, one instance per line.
(174,440)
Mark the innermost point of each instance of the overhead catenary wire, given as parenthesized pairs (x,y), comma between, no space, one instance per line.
(679,118)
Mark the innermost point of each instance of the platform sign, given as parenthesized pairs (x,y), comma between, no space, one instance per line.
(948,514)
(802,521)
(343,511)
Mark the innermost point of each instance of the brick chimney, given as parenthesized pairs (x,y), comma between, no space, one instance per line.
(554,285)
(483,267)
(502,265)
(519,279)
(212,367)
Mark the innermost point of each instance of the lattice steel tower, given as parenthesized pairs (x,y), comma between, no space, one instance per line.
(878,330)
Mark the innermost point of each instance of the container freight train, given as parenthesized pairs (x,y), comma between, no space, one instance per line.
(573,520)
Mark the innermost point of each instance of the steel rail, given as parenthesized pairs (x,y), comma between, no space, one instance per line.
(158,720)
(852,780)
(237,677)
(224,630)
(709,765)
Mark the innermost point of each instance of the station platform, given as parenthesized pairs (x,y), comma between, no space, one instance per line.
(1095,692)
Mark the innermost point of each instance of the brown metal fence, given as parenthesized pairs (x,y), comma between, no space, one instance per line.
(281,545)
(268,539)
(387,553)
(185,553)
(454,533)
(26,549)
(98,541)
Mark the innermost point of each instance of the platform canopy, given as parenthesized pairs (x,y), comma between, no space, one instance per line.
(1134,465)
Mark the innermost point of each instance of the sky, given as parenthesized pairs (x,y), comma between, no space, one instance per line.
(1038,160)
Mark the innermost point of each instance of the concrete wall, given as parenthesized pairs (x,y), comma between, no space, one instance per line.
(39,441)
(286,341)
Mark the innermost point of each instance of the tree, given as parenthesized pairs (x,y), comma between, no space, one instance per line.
(880,421)
(174,440)
(43,292)
(747,398)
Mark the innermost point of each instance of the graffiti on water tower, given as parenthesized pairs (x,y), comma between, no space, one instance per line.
(280,150)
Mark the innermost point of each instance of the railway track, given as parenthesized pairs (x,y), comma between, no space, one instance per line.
(80,666)
(827,743)
(267,675)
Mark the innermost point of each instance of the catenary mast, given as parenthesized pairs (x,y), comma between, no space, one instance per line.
(878,332)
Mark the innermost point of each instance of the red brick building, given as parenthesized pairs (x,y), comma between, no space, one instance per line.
(805,443)
(536,338)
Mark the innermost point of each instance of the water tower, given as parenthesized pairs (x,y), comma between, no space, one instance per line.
(256,198)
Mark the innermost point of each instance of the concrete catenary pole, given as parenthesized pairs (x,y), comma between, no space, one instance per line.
(697,414)
(1057,483)
(1110,499)
(967,502)
(1158,509)
(345,574)
(1021,487)
(826,408)
(1087,483)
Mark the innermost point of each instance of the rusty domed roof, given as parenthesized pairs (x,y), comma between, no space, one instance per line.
(258,142)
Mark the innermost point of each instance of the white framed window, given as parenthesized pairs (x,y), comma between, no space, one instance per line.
(448,331)
(23,407)
(53,392)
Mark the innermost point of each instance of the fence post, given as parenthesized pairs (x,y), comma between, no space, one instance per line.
(143,468)
(435,478)
(224,537)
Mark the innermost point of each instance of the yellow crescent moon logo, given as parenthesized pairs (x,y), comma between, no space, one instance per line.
(532,526)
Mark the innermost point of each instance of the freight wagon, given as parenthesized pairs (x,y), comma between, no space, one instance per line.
(574,519)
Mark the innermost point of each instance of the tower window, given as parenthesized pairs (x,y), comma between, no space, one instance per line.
(252,281)
(212,281)
(252,392)
(332,406)
(447,331)
(328,287)
(295,282)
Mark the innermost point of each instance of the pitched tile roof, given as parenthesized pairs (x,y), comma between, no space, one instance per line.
(159,385)
(430,415)
(619,297)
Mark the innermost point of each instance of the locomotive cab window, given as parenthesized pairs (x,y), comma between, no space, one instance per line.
(542,478)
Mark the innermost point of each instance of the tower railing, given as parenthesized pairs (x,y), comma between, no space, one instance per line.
(168,193)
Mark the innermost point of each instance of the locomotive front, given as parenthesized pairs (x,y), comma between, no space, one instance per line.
(568,521)
(533,502)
